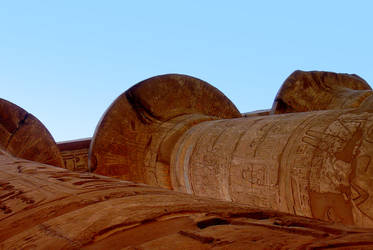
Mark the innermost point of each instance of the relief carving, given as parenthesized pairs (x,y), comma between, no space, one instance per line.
(310,159)
(315,163)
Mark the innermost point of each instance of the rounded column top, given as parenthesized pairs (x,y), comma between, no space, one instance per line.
(127,127)
(24,136)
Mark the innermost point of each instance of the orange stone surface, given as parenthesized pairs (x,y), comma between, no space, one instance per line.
(178,132)
(46,207)
(24,136)
(319,90)
(131,123)
(316,164)
(75,154)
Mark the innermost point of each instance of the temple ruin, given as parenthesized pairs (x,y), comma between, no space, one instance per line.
(173,164)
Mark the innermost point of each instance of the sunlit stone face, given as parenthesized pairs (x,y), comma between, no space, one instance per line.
(315,164)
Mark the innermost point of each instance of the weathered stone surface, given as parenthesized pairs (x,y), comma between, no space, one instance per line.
(75,154)
(129,126)
(46,207)
(24,136)
(315,164)
(319,90)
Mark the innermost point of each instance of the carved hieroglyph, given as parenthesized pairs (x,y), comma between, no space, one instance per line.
(75,154)
(46,207)
(23,135)
(316,164)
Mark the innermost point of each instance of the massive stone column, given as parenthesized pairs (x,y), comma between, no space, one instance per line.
(315,164)
(45,207)
(153,114)
(24,136)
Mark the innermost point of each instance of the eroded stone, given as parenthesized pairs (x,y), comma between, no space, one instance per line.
(170,103)
(315,164)
(24,136)
(46,207)
(320,90)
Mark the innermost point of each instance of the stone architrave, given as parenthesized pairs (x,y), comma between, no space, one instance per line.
(75,154)
(316,164)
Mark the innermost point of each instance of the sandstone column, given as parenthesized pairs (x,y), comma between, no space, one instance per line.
(315,164)
(46,207)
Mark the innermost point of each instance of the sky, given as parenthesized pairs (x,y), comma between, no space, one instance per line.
(66,61)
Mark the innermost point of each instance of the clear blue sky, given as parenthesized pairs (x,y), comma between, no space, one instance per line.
(66,61)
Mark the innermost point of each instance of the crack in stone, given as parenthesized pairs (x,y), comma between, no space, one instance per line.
(20,124)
